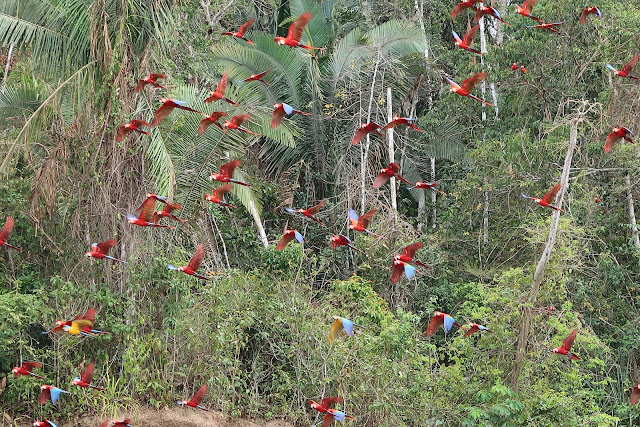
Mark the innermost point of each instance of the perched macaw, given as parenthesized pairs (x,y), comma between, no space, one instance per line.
(281,110)
(194,264)
(81,321)
(400,267)
(288,236)
(473,328)
(361,223)
(325,404)
(616,135)
(130,127)
(45,423)
(386,173)
(486,10)
(211,119)
(626,69)
(409,252)
(550,26)
(257,77)
(240,33)
(440,319)
(342,240)
(113,423)
(635,394)
(514,66)
(334,415)
(218,194)
(6,232)
(364,129)
(196,400)
(147,217)
(523,70)
(548,198)
(236,121)
(50,393)
(101,250)
(427,186)
(467,86)
(85,378)
(25,369)
(462,6)
(295,32)
(226,173)
(166,212)
(466,40)
(167,107)
(587,11)
(150,80)
(309,213)
(339,325)
(565,349)
(218,94)
(525,9)
(601,204)
(397,121)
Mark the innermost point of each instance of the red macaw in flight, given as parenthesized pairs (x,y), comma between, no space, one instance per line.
(616,135)
(113,423)
(257,77)
(361,223)
(462,6)
(400,267)
(467,86)
(240,33)
(551,26)
(565,349)
(295,32)
(194,264)
(80,325)
(50,393)
(45,423)
(407,121)
(167,107)
(525,9)
(25,369)
(196,400)
(6,232)
(150,80)
(427,186)
(235,123)
(218,94)
(101,250)
(466,40)
(131,127)
(485,10)
(211,119)
(635,394)
(281,110)
(161,199)
(364,129)
(288,236)
(147,217)
(548,198)
(626,69)
(226,173)
(166,212)
(218,194)
(386,173)
(325,404)
(473,328)
(85,378)
(409,252)
(88,318)
(440,319)
(587,11)
(341,324)
(342,240)
(310,212)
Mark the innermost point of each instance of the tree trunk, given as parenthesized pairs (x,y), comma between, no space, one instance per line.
(433,193)
(485,215)
(258,221)
(7,67)
(364,152)
(632,214)
(392,155)
(527,312)
(425,40)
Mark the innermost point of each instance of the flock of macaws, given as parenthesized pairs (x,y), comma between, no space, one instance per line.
(83,325)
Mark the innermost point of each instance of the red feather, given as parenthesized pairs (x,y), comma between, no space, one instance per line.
(195,262)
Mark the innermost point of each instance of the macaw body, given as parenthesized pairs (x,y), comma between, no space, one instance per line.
(440,319)
(295,33)
(626,70)
(616,135)
(288,236)
(427,186)
(147,217)
(386,173)
(257,77)
(211,120)
(310,212)
(218,194)
(167,107)
(409,252)
(167,212)
(473,328)
(240,33)
(523,70)
(50,393)
(134,126)
(466,40)
(87,319)
(486,10)
(514,66)
(6,232)
(462,6)
(364,129)
(45,423)
(400,267)
(361,223)
(550,26)
(565,349)
(467,86)
(218,94)
(525,9)
(150,80)
(236,122)
(588,11)
(547,199)
(101,250)
(601,204)
(196,400)
(282,110)
(325,404)
(635,394)
(85,378)
(406,121)
(194,264)
(340,324)
(226,173)
(25,368)
(342,240)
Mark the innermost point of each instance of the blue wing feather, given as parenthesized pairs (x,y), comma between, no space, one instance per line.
(353,215)
(448,323)
(347,325)
(299,237)
(409,271)
(288,109)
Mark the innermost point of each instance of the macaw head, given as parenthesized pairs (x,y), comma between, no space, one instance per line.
(15,371)
(182,402)
(76,381)
(279,40)
(180,268)
(88,254)
(314,404)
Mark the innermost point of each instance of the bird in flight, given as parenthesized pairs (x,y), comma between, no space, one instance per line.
(565,348)
(295,33)
(194,264)
(6,232)
(196,400)
(547,199)
(626,70)
(101,250)
(240,33)
(467,86)
(151,79)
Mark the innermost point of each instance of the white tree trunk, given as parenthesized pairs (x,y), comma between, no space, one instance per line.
(392,155)
(364,152)
(632,214)
(256,217)
(433,193)
(7,66)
